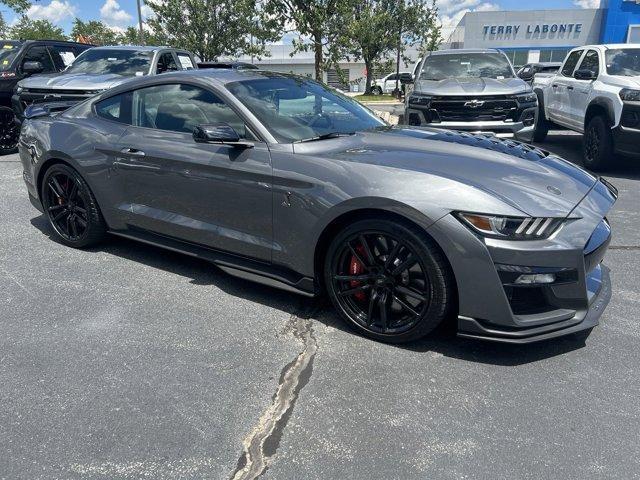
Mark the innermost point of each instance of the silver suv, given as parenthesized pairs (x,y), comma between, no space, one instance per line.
(99,69)
(472,90)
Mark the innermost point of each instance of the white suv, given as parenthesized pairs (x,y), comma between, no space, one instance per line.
(388,83)
(597,93)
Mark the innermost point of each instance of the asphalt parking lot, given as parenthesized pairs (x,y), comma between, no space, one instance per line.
(126,361)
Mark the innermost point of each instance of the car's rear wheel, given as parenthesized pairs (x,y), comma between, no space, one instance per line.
(388,280)
(9,131)
(597,144)
(376,91)
(71,208)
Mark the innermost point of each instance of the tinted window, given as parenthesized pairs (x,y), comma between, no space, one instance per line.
(39,54)
(166,63)
(624,62)
(8,52)
(294,109)
(117,108)
(571,62)
(591,62)
(181,108)
(469,65)
(62,55)
(111,60)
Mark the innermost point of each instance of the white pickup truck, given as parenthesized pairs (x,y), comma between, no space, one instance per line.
(597,93)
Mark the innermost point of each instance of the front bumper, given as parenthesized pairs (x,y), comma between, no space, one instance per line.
(492,309)
(522,128)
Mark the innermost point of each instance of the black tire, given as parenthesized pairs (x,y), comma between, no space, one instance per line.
(405,289)
(542,125)
(597,144)
(71,208)
(9,131)
(376,91)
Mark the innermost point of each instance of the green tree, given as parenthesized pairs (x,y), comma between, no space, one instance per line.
(28,29)
(213,28)
(319,25)
(131,36)
(93,31)
(17,5)
(381,28)
(4,28)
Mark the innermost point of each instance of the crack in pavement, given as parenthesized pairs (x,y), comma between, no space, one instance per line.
(263,441)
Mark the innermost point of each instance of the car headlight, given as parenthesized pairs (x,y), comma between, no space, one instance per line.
(511,228)
(527,98)
(417,99)
(629,95)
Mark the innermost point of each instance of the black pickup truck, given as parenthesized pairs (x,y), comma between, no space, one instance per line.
(20,59)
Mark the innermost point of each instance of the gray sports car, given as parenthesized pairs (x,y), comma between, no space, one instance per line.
(281,180)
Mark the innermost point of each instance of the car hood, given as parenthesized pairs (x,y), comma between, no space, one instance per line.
(472,86)
(521,176)
(72,81)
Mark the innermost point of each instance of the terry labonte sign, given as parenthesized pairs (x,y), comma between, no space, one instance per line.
(536,30)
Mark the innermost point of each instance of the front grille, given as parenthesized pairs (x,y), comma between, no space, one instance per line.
(473,109)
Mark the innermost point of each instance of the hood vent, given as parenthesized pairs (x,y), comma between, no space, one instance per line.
(491,142)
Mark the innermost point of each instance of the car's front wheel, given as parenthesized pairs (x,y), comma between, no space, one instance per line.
(71,208)
(9,131)
(597,144)
(388,280)
(376,91)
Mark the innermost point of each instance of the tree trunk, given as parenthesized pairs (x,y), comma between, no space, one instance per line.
(369,81)
(317,48)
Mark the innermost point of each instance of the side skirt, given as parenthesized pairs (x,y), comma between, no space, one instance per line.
(242,267)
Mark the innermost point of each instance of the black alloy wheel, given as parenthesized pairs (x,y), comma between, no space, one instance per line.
(9,131)
(388,280)
(71,208)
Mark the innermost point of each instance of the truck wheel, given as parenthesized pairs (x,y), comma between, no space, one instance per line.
(597,144)
(541,128)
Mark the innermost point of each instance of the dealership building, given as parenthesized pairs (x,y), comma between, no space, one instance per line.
(524,35)
(547,35)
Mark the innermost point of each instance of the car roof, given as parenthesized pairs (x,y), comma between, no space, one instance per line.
(464,50)
(45,40)
(137,48)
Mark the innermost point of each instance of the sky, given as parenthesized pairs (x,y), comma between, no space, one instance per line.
(120,14)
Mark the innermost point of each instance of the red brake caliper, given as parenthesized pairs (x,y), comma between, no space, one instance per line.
(356,268)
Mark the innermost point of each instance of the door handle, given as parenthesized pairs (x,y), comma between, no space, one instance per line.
(132,151)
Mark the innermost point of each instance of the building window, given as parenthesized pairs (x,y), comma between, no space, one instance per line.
(633,34)
(554,55)
(518,58)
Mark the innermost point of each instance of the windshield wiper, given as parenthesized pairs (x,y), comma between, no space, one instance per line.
(326,136)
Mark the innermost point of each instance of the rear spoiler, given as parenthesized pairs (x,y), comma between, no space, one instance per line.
(47,109)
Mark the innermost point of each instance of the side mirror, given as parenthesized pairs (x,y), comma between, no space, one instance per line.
(218,133)
(32,67)
(585,74)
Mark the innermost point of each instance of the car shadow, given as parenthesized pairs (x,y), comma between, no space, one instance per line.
(201,272)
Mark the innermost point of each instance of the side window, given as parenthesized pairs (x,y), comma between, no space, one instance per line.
(39,54)
(392,77)
(591,62)
(166,63)
(185,61)
(571,62)
(116,108)
(180,108)
(62,56)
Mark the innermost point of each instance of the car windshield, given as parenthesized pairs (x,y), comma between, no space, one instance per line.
(8,52)
(121,62)
(465,65)
(624,62)
(295,109)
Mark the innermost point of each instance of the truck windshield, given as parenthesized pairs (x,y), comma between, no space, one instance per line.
(624,62)
(8,52)
(121,62)
(466,65)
